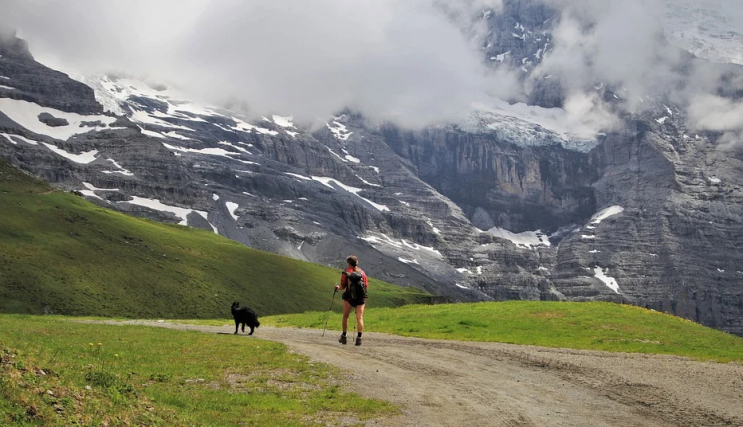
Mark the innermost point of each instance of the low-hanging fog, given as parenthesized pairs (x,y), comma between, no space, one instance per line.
(411,61)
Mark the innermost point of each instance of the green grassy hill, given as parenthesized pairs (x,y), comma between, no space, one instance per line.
(59,251)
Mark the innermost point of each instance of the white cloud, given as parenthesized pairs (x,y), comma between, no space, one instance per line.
(586,114)
(615,42)
(623,43)
(714,113)
(710,112)
(400,60)
(393,59)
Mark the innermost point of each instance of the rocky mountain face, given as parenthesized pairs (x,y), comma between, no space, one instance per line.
(503,205)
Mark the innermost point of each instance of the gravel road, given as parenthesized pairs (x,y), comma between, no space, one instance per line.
(456,383)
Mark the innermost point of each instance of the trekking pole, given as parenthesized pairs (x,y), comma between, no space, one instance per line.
(328,316)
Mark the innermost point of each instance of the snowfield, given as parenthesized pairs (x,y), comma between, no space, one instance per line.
(27,114)
(527,239)
(606,213)
(83,158)
(232,207)
(155,204)
(334,184)
(608,281)
(383,239)
(529,125)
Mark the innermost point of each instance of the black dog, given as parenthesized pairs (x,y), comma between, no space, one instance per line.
(245,316)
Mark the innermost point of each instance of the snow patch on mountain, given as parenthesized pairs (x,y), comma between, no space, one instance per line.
(122,96)
(114,93)
(608,281)
(155,204)
(527,239)
(91,189)
(434,229)
(82,158)
(9,139)
(350,158)
(606,213)
(208,151)
(233,146)
(339,130)
(284,122)
(26,140)
(205,216)
(336,155)
(232,207)
(383,239)
(27,114)
(120,170)
(529,125)
(143,117)
(329,182)
(266,131)
(152,134)
(174,134)
(302,177)
(22,138)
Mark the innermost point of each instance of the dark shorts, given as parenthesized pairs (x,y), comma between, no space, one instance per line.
(354,302)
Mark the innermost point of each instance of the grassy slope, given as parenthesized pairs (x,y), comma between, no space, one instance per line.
(59,250)
(158,377)
(592,326)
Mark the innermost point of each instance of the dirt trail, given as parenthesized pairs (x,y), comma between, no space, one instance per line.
(455,383)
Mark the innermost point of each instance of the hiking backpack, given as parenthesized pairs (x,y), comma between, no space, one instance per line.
(356,287)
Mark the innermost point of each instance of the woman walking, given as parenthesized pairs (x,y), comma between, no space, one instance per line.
(354,285)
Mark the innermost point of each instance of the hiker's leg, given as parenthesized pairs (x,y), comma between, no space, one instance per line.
(360,317)
(346,312)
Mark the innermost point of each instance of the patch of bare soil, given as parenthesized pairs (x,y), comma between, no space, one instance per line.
(455,383)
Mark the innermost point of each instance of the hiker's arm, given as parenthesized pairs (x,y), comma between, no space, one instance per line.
(344,281)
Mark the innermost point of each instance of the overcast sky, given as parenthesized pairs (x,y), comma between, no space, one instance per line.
(404,60)
(396,58)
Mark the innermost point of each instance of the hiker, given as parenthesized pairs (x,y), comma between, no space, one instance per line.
(354,285)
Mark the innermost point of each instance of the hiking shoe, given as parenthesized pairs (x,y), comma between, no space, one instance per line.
(342,339)
(358,340)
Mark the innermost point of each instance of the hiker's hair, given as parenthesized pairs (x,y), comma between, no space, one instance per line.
(352,260)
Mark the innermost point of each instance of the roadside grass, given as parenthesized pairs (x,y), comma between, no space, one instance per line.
(61,254)
(54,372)
(585,326)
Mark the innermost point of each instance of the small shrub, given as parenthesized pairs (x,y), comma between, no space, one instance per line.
(108,380)
(161,378)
